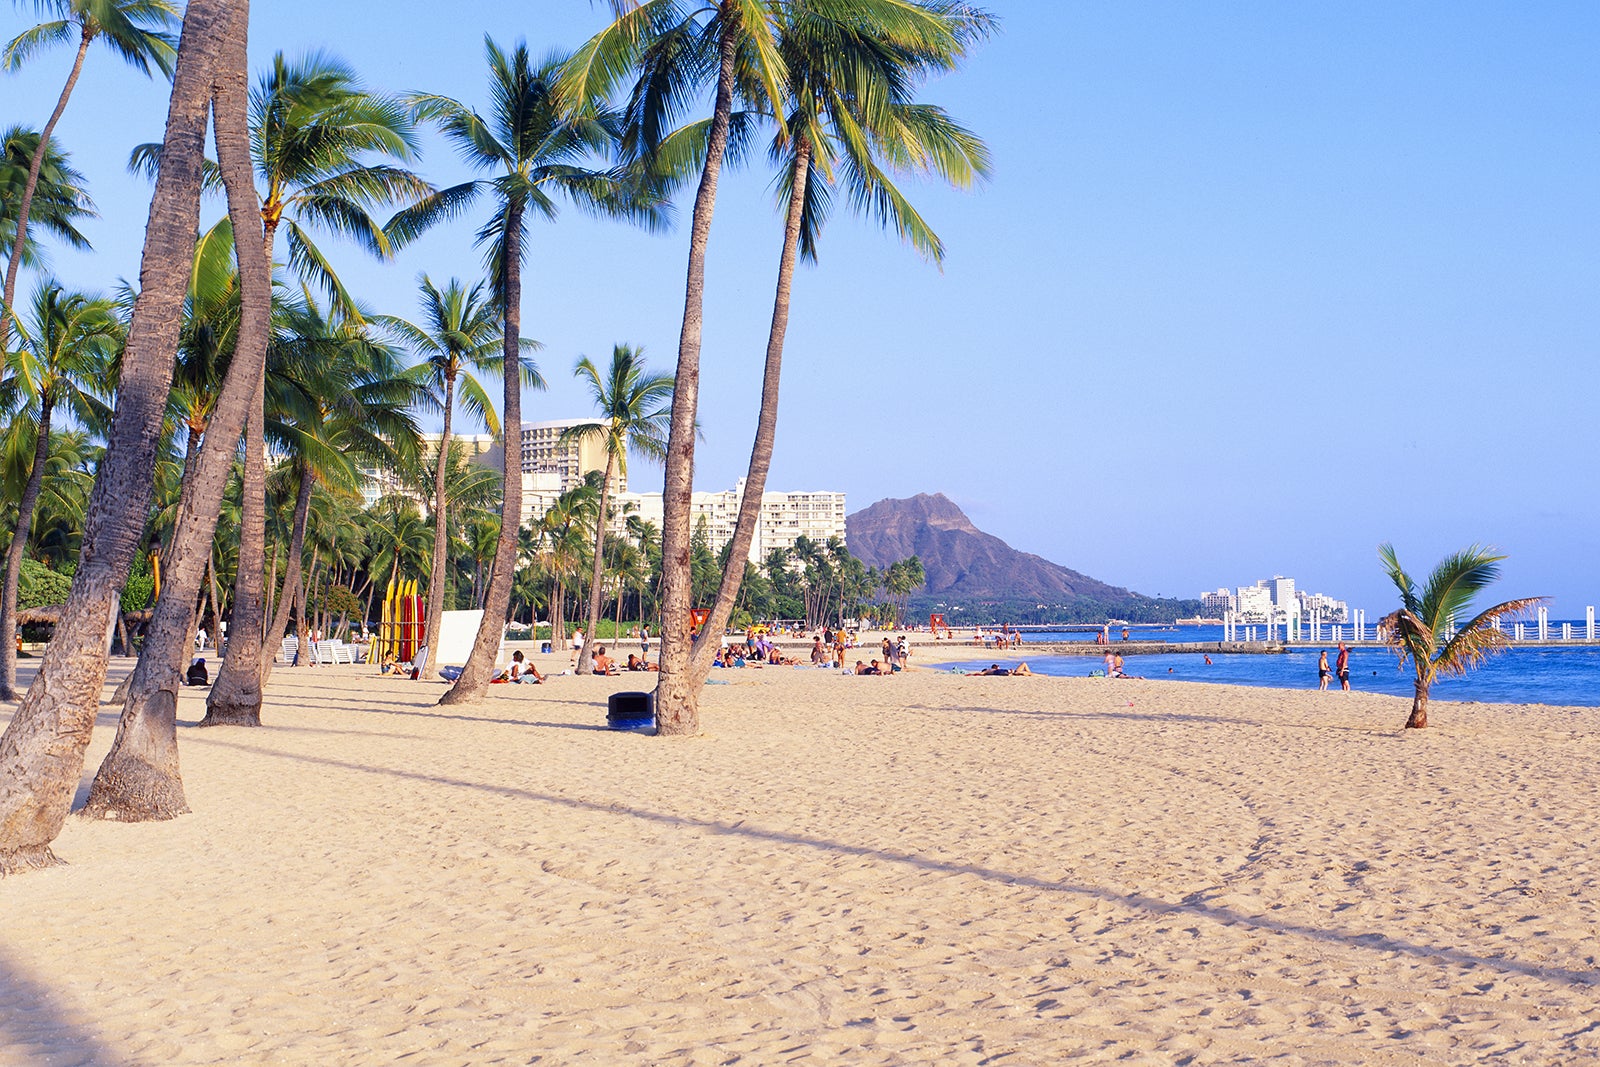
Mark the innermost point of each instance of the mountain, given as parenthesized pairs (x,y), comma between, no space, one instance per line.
(978,571)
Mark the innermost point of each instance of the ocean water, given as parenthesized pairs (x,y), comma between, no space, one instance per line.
(1564,676)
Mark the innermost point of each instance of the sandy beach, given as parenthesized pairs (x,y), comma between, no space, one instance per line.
(923,869)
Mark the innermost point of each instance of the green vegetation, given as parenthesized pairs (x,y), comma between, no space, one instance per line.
(1434,627)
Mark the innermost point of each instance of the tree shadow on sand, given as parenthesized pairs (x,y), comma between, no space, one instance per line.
(1191,907)
(37,1027)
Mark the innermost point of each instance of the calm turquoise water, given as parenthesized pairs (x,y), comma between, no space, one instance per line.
(1568,676)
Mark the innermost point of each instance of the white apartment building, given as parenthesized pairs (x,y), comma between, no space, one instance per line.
(543,452)
(1254,604)
(1324,608)
(378,482)
(1275,600)
(784,519)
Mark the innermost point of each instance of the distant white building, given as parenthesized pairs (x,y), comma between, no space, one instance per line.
(1275,600)
(1254,604)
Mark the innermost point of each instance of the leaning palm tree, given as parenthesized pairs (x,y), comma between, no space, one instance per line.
(460,333)
(1424,629)
(41,751)
(677,47)
(634,408)
(539,149)
(137,30)
(851,120)
(64,358)
(139,778)
(60,199)
(325,152)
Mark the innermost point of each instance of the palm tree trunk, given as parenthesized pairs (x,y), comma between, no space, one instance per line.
(479,668)
(755,482)
(677,696)
(41,751)
(19,547)
(25,206)
(590,636)
(139,779)
(293,578)
(235,698)
(436,572)
(1419,709)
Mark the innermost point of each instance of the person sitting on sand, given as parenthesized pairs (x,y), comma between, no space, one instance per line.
(602,662)
(1116,667)
(198,675)
(819,655)
(518,670)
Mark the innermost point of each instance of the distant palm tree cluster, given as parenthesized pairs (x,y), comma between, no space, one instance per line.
(219,420)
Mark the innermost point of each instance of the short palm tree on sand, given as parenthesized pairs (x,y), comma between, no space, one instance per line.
(1423,629)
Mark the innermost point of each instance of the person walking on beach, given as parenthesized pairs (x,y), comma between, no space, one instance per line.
(1322,672)
(1341,666)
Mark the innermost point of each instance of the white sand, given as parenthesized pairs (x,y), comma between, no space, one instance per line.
(924,869)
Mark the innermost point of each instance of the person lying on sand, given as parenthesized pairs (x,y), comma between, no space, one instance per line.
(637,664)
(994,670)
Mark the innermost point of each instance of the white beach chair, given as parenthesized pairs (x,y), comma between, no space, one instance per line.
(291,645)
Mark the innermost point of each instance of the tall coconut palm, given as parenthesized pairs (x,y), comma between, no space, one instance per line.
(41,751)
(634,407)
(137,30)
(326,152)
(851,121)
(461,333)
(677,46)
(1424,628)
(540,149)
(346,399)
(60,199)
(139,778)
(62,362)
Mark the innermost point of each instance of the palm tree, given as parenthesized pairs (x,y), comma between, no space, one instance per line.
(851,119)
(137,30)
(41,752)
(139,778)
(346,398)
(675,45)
(314,133)
(1424,628)
(634,408)
(62,361)
(536,146)
(461,333)
(60,199)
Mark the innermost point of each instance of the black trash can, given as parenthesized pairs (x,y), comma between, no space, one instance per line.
(631,711)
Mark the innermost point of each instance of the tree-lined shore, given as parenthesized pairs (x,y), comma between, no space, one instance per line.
(242,430)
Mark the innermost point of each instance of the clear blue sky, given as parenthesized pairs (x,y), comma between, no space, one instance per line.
(1255,287)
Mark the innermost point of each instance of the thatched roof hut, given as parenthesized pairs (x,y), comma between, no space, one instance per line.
(50,613)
